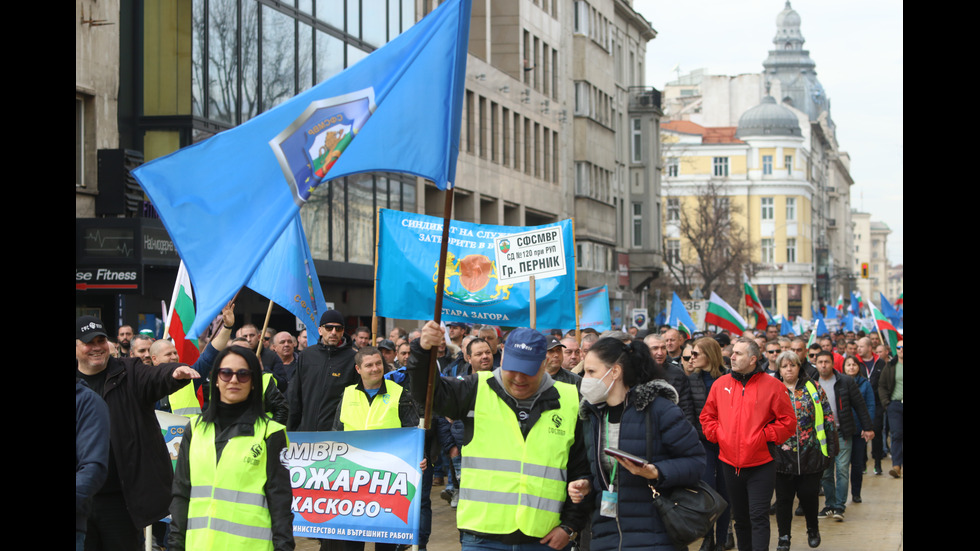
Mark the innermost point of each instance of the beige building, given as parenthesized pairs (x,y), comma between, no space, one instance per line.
(870,258)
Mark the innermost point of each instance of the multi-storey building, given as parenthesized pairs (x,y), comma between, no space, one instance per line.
(800,224)
(870,257)
(556,123)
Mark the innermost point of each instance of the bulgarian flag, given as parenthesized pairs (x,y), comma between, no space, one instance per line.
(900,302)
(885,327)
(840,305)
(754,304)
(721,314)
(181,316)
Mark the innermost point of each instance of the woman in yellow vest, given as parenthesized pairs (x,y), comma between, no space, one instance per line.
(801,460)
(230,489)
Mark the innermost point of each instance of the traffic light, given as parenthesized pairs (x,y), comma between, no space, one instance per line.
(864,270)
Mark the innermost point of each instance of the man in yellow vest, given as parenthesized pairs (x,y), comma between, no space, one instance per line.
(374,403)
(522,445)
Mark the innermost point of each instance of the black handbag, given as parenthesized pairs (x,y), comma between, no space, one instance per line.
(688,512)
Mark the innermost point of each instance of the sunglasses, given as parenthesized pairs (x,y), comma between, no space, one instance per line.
(226,374)
(772,351)
(811,355)
(695,355)
(334,328)
(686,358)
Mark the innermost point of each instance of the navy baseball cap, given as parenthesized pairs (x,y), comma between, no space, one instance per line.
(524,351)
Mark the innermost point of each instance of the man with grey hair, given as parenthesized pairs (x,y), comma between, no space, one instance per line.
(489,334)
(139,347)
(673,374)
(746,412)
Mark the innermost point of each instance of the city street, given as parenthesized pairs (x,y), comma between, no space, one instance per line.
(874,525)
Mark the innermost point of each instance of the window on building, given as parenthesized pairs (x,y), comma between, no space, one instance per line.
(790,209)
(673,251)
(637,140)
(582,174)
(582,98)
(767,165)
(637,225)
(789,165)
(767,208)
(673,167)
(581,23)
(791,250)
(720,166)
(767,251)
(673,209)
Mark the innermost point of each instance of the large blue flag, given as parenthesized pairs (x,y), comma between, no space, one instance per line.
(785,327)
(893,315)
(594,304)
(226,200)
(679,318)
(847,322)
(287,277)
(408,268)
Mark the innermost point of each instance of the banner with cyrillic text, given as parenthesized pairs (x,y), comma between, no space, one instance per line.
(408,267)
(356,485)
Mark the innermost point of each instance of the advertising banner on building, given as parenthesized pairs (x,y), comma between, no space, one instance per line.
(475,289)
(356,485)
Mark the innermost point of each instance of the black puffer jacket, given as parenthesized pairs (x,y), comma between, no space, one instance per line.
(676,453)
(699,395)
(322,373)
(849,402)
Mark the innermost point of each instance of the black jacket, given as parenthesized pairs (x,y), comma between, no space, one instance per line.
(849,401)
(455,398)
(91,449)
(699,395)
(141,460)
(278,491)
(674,450)
(322,373)
(675,375)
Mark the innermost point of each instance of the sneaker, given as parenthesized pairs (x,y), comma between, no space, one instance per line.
(896,471)
(856,499)
(783,544)
(455,500)
(447,495)
(799,511)
(878,470)
(839,515)
(826,512)
(813,538)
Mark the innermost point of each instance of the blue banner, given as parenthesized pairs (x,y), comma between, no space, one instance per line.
(356,485)
(594,304)
(226,200)
(408,267)
(679,318)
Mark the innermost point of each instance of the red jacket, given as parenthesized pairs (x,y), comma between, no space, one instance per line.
(744,417)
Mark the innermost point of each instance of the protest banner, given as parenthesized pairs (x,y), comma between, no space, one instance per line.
(594,304)
(356,485)
(407,273)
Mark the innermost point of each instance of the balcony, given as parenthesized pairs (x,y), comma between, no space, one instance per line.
(644,98)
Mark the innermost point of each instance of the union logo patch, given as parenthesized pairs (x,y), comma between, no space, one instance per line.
(309,147)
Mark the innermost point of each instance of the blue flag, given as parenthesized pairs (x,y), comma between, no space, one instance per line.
(594,304)
(408,268)
(785,327)
(819,327)
(856,303)
(679,318)
(287,277)
(893,315)
(661,319)
(226,200)
(815,311)
(847,322)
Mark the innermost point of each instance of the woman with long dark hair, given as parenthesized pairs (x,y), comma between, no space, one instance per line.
(626,401)
(709,365)
(230,490)
(801,460)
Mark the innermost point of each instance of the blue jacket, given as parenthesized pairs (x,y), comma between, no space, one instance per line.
(91,449)
(677,454)
(868,394)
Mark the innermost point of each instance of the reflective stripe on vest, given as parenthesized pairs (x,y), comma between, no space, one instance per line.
(184,401)
(818,417)
(228,507)
(512,483)
(382,413)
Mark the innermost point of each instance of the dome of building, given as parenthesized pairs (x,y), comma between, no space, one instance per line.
(788,18)
(768,119)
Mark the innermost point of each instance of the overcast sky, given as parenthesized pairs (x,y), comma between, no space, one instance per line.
(858,49)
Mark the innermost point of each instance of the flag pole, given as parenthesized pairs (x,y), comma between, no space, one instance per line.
(447,213)
(265,326)
(534,306)
(374,299)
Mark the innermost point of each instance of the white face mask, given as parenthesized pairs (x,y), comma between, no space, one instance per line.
(593,390)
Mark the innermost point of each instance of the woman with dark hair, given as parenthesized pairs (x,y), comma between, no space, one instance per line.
(709,365)
(801,460)
(859,447)
(625,401)
(230,490)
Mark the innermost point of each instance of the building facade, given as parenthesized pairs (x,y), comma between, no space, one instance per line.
(800,224)
(870,257)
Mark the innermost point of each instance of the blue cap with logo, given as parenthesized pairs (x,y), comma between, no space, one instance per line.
(524,351)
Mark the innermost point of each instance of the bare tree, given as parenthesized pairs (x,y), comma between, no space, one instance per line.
(716,247)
